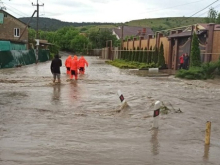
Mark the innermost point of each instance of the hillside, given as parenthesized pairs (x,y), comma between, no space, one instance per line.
(166,23)
(48,24)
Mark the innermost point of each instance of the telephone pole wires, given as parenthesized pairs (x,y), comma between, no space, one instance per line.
(37,36)
(37,17)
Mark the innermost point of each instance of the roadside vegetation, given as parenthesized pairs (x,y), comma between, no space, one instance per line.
(205,71)
(140,59)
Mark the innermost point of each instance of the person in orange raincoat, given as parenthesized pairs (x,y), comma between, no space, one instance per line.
(67,64)
(74,68)
(82,63)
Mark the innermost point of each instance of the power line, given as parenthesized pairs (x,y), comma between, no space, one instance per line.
(15,12)
(15,9)
(200,10)
(172,6)
(208,10)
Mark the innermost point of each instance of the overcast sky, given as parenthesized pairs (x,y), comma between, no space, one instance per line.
(108,10)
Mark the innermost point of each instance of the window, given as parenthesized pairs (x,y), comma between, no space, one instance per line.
(16,32)
(5,15)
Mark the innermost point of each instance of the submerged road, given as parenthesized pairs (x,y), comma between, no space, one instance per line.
(82,122)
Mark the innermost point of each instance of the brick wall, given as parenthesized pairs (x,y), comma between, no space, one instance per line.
(7,29)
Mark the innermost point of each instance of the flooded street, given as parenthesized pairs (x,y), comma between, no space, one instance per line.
(82,123)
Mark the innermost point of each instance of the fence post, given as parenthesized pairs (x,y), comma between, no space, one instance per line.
(156,114)
(121,97)
(207,132)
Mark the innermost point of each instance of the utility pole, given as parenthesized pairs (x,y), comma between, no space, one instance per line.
(122,37)
(122,40)
(37,28)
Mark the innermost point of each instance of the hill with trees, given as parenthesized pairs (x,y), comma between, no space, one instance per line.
(48,24)
(157,24)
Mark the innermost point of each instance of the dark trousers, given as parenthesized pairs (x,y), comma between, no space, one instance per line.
(181,66)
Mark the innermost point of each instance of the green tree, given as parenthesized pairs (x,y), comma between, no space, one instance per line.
(212,16)
(64,37)
(99,38)
(79,43)
(144,58)
(161,59)
(155,55)
(195,60)
(137,54)
(31,35)
(130,55)
(140,55)
(134,54)
(150,55)
(218,19)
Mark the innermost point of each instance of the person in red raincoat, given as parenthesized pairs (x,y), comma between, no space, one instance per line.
(74,68)
(67,64)
(82,63)
(181,58)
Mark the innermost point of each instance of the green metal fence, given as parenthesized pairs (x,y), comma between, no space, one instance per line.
(13,58)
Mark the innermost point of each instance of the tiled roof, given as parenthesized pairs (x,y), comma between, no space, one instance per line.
(187,32)
(217,26)
(184,34)
(133,31)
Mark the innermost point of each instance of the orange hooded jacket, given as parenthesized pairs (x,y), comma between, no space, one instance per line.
(83,62)
(74,63)
(68,61)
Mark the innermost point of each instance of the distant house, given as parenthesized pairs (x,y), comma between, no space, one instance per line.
(13,31)
(128,31)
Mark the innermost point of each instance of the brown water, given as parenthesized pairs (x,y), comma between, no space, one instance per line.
(82,123)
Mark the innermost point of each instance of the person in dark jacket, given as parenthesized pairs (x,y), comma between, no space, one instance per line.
(186,61)
(55,68)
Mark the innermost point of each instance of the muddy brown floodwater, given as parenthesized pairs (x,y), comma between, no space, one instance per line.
(82,123)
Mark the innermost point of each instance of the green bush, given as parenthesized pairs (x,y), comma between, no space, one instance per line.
(195,60)
(206,71)
(124,64)
(51,56)
(193,73)
(209,68)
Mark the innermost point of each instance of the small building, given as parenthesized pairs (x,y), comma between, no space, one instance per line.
(13,30)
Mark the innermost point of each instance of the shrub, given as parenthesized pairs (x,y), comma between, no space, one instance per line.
(195,60)
(206,71)
(161,59)
(193,73)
